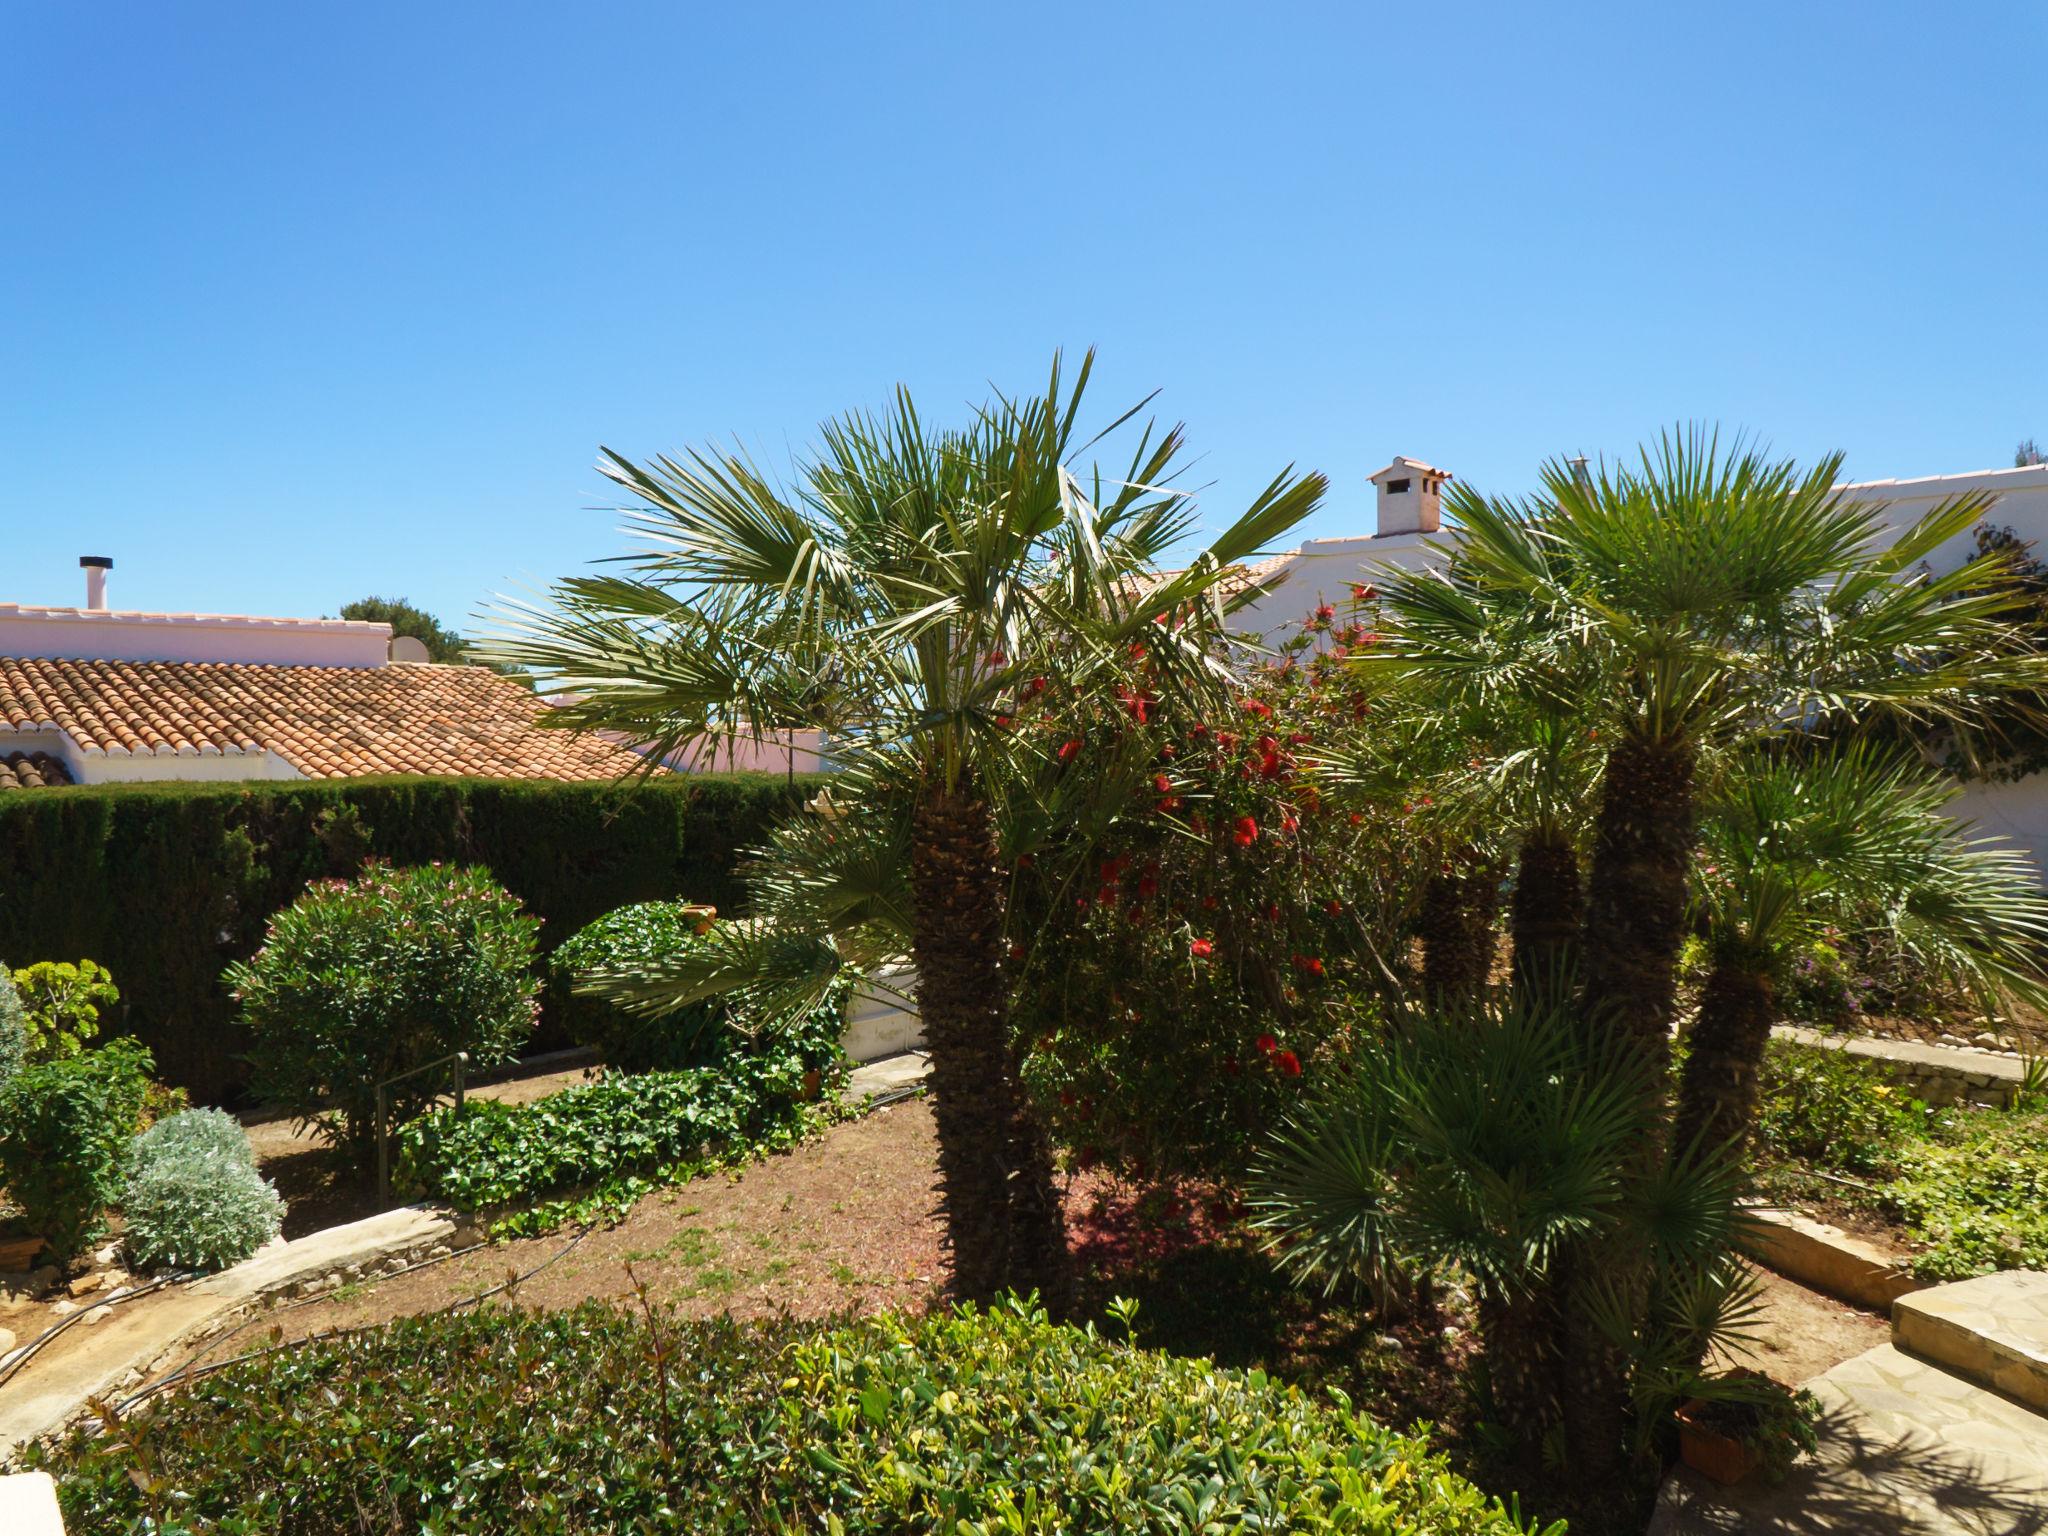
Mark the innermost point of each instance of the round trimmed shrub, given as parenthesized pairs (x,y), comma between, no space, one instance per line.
(193,1203)
(359,981)
(627,939)
(204,1132)
(13,1030)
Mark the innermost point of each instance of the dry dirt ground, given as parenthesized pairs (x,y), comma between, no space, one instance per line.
(845,1223)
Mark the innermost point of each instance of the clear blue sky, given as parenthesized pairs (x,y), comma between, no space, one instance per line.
(301,302)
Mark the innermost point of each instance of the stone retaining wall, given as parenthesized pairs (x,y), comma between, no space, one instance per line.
(1938,1074)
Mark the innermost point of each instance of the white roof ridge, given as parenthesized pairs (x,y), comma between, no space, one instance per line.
(141,616)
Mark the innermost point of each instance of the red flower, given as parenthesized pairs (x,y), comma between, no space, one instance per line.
(1288,1063)
(1016,951)
(1364,594)
(1247,832)
(1289,822)
(1308,963)
(1162,783)
(1325,613)
(1069,748)
(1267,1045)
(998,659)
(1258,707)
(1201,949)
(1333,906)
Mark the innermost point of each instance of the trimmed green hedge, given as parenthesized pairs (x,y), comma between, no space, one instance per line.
(495,1422)
(165,884)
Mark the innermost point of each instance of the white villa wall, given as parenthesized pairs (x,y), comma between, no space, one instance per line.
(100,634)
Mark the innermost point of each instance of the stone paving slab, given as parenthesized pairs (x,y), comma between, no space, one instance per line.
(98,1358)
(887,1075)
(1992,1331)
(1906,1450)
(1940,1073)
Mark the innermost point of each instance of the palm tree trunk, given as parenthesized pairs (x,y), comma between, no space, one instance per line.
(1635,899)
(1004,1222)
(1519,1343)
(1717,1092)
(1457,935)
(1544,917)
(1635,922)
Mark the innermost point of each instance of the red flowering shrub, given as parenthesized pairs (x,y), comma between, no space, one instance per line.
(1178,992)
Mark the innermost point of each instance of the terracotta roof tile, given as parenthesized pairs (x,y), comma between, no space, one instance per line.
(327,722)
(31,770)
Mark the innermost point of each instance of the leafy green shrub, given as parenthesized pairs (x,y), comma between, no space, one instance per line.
(1818,987)
(1826,1108)
(13,1031)
(596,1420)
(1974,1191)
(195,1132)
(361,980)
(194,1199)
(62,1003)
(625,939)
(612,1138)
(65,1127)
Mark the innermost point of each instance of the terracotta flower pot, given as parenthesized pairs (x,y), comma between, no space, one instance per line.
(1709,1452)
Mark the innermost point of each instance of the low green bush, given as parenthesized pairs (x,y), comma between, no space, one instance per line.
(1973,1192)
(631,937)
(194,1200)
(13,1031)
(595,1420)
(363,980)
(65,1128)
(614,1138)
(1827,1109)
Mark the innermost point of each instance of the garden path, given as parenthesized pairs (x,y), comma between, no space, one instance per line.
(1911,1445)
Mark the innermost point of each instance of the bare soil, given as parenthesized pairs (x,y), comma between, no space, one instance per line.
(848,1224)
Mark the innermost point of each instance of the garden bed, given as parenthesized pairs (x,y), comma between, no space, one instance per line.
(1952,1192)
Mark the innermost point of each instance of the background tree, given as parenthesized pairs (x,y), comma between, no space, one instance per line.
(2028,454)
(917,591)
(443,644)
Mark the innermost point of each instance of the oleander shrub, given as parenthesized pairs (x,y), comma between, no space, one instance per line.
(596,1419)
(65,1128)
(62,1004)
(194,1200)
(363,980)
(13,1031)
(612,1139)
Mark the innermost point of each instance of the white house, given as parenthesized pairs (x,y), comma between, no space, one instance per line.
(1409,534)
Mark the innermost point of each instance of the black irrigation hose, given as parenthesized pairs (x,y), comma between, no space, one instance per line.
(192,1371)
(36,1345)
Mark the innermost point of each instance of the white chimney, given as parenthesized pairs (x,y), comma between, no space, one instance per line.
(96,568)
(1411,497)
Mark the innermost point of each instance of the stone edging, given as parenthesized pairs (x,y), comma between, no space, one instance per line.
(1938,1074)
(1829,1259)
(131,1345)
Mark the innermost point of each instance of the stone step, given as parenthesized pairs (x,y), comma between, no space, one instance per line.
(1992,1331)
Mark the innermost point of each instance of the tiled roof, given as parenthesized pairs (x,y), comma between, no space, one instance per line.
(327,722)
(31,770)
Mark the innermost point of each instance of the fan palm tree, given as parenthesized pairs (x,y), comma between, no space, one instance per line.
(1485,1138)
(1695,600)
(905,591)
(1799,842)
